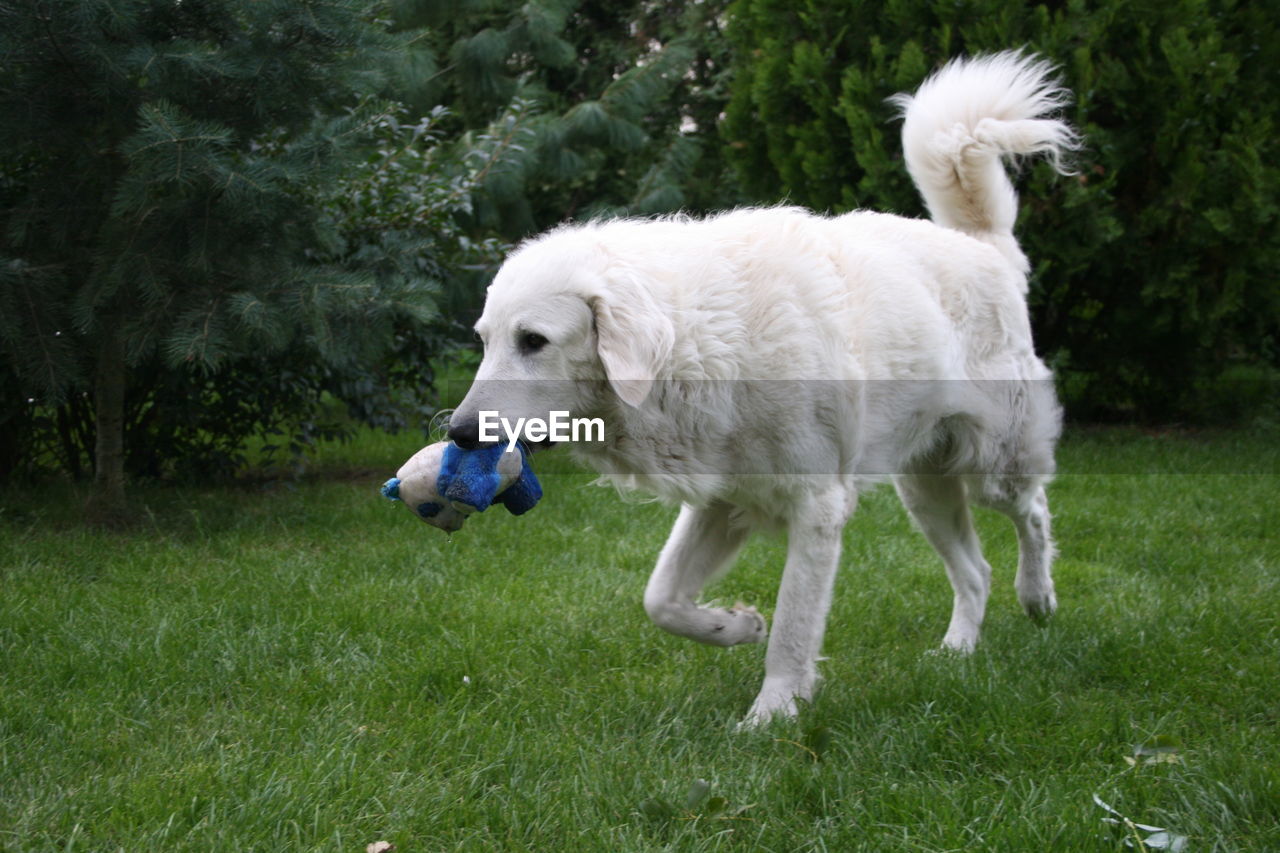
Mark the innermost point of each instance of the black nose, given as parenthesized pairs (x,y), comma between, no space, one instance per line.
(465,434)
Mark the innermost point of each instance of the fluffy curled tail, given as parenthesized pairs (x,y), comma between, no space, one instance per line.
(959,125)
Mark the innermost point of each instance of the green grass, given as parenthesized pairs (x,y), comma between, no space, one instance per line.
(307,667)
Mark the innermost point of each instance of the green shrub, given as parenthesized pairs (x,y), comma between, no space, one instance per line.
(1155,266)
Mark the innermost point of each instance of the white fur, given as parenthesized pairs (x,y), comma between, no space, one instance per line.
(763,366)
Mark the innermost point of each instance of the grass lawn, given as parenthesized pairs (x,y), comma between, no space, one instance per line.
(307,667)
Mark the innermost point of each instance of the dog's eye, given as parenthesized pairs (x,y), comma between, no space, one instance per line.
(531,342)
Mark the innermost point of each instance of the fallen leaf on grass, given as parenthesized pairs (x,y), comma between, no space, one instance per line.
(699,791)
(1159,839)
(1162,750)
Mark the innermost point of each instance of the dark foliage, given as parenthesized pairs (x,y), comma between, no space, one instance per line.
(189,226)
(1155,293)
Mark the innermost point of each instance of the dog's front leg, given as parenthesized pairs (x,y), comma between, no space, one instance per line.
(813,554)
(703,542)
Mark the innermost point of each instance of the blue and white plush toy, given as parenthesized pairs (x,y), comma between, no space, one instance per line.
(443,484)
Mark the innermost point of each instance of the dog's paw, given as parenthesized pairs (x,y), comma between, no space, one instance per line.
(1039,606)
(748,623)
(767,710)
(779,699)
(1041,609)
(960,644)
(716,626)
(732,626)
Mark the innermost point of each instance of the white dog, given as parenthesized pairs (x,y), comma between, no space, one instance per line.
(763,366)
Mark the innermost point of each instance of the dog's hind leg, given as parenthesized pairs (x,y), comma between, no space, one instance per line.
(1023,500)
(939,506)
(804,597)
(703,542)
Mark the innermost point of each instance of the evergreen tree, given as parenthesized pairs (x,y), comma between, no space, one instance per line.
(167,204)
(627,95)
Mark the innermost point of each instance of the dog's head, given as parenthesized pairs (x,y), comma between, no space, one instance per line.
(564,322)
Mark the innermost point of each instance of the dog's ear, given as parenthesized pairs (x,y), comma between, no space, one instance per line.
(634,339)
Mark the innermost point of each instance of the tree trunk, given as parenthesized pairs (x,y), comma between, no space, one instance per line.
(108,397)
(71,452)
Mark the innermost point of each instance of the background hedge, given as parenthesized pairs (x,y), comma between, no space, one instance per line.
(180,180)
(1155,292)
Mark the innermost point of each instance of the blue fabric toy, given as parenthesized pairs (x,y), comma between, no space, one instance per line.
(443,484)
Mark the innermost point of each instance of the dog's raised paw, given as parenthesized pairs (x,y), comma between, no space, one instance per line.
(753,628)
